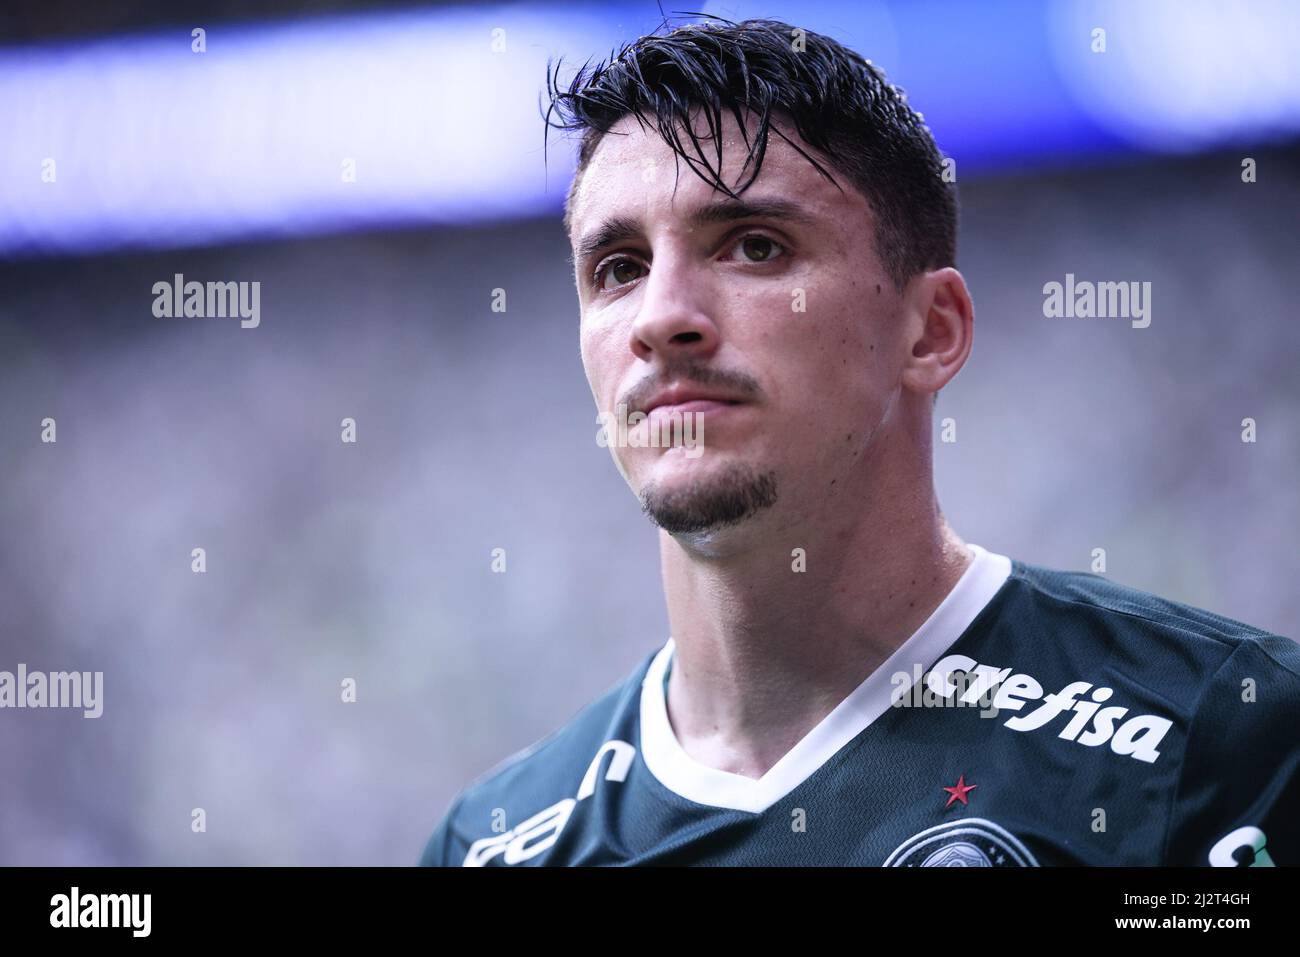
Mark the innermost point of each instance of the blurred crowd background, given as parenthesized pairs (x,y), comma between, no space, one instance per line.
(476,429)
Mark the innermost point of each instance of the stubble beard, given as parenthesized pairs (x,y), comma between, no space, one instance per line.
(712,503)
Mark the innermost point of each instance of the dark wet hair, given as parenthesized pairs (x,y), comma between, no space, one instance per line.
(839,103)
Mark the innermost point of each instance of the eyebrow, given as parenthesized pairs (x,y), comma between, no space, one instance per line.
(619,229)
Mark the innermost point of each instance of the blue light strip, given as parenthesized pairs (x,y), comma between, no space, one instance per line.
(432,117)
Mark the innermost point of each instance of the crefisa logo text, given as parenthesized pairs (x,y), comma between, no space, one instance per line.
(1091,721)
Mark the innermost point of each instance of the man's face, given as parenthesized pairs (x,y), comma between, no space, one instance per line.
(775,328)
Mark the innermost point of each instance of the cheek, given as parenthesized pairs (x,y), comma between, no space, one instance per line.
(831,347)
(835,371)
(588,366)
(600,361)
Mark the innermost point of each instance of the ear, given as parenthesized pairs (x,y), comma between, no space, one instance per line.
(940,329)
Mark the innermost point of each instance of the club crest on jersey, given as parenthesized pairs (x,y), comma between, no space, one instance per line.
(996,689)
(967,842)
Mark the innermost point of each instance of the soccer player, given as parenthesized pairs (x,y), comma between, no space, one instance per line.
(847,681)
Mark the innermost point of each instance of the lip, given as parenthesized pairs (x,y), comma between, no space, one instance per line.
(688,401)
(690,407)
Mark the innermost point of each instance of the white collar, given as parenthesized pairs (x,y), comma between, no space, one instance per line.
(697,782)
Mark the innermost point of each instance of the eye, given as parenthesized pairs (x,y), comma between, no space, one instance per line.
(618,269)
(757,248)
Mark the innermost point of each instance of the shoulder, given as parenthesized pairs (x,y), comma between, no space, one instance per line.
(539,775)
(1185,657)
(1095,596)
(1240,773)
(551,758)
(1179,646)
(1231,691)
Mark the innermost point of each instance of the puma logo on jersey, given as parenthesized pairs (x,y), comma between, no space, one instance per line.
(539,832)
(1089,723)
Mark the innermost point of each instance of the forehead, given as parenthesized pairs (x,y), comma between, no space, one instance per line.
(634,173)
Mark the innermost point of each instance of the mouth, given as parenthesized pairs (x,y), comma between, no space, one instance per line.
(684,400)
(698,406)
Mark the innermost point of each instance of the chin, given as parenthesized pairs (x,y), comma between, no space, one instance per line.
(689,497)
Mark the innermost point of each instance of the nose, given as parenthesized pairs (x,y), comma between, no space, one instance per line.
(674,321)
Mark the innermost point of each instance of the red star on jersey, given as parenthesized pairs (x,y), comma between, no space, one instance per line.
(958,793)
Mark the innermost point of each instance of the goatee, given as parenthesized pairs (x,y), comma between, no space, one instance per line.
(716,502)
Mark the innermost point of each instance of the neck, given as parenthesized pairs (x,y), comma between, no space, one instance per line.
(764,652)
